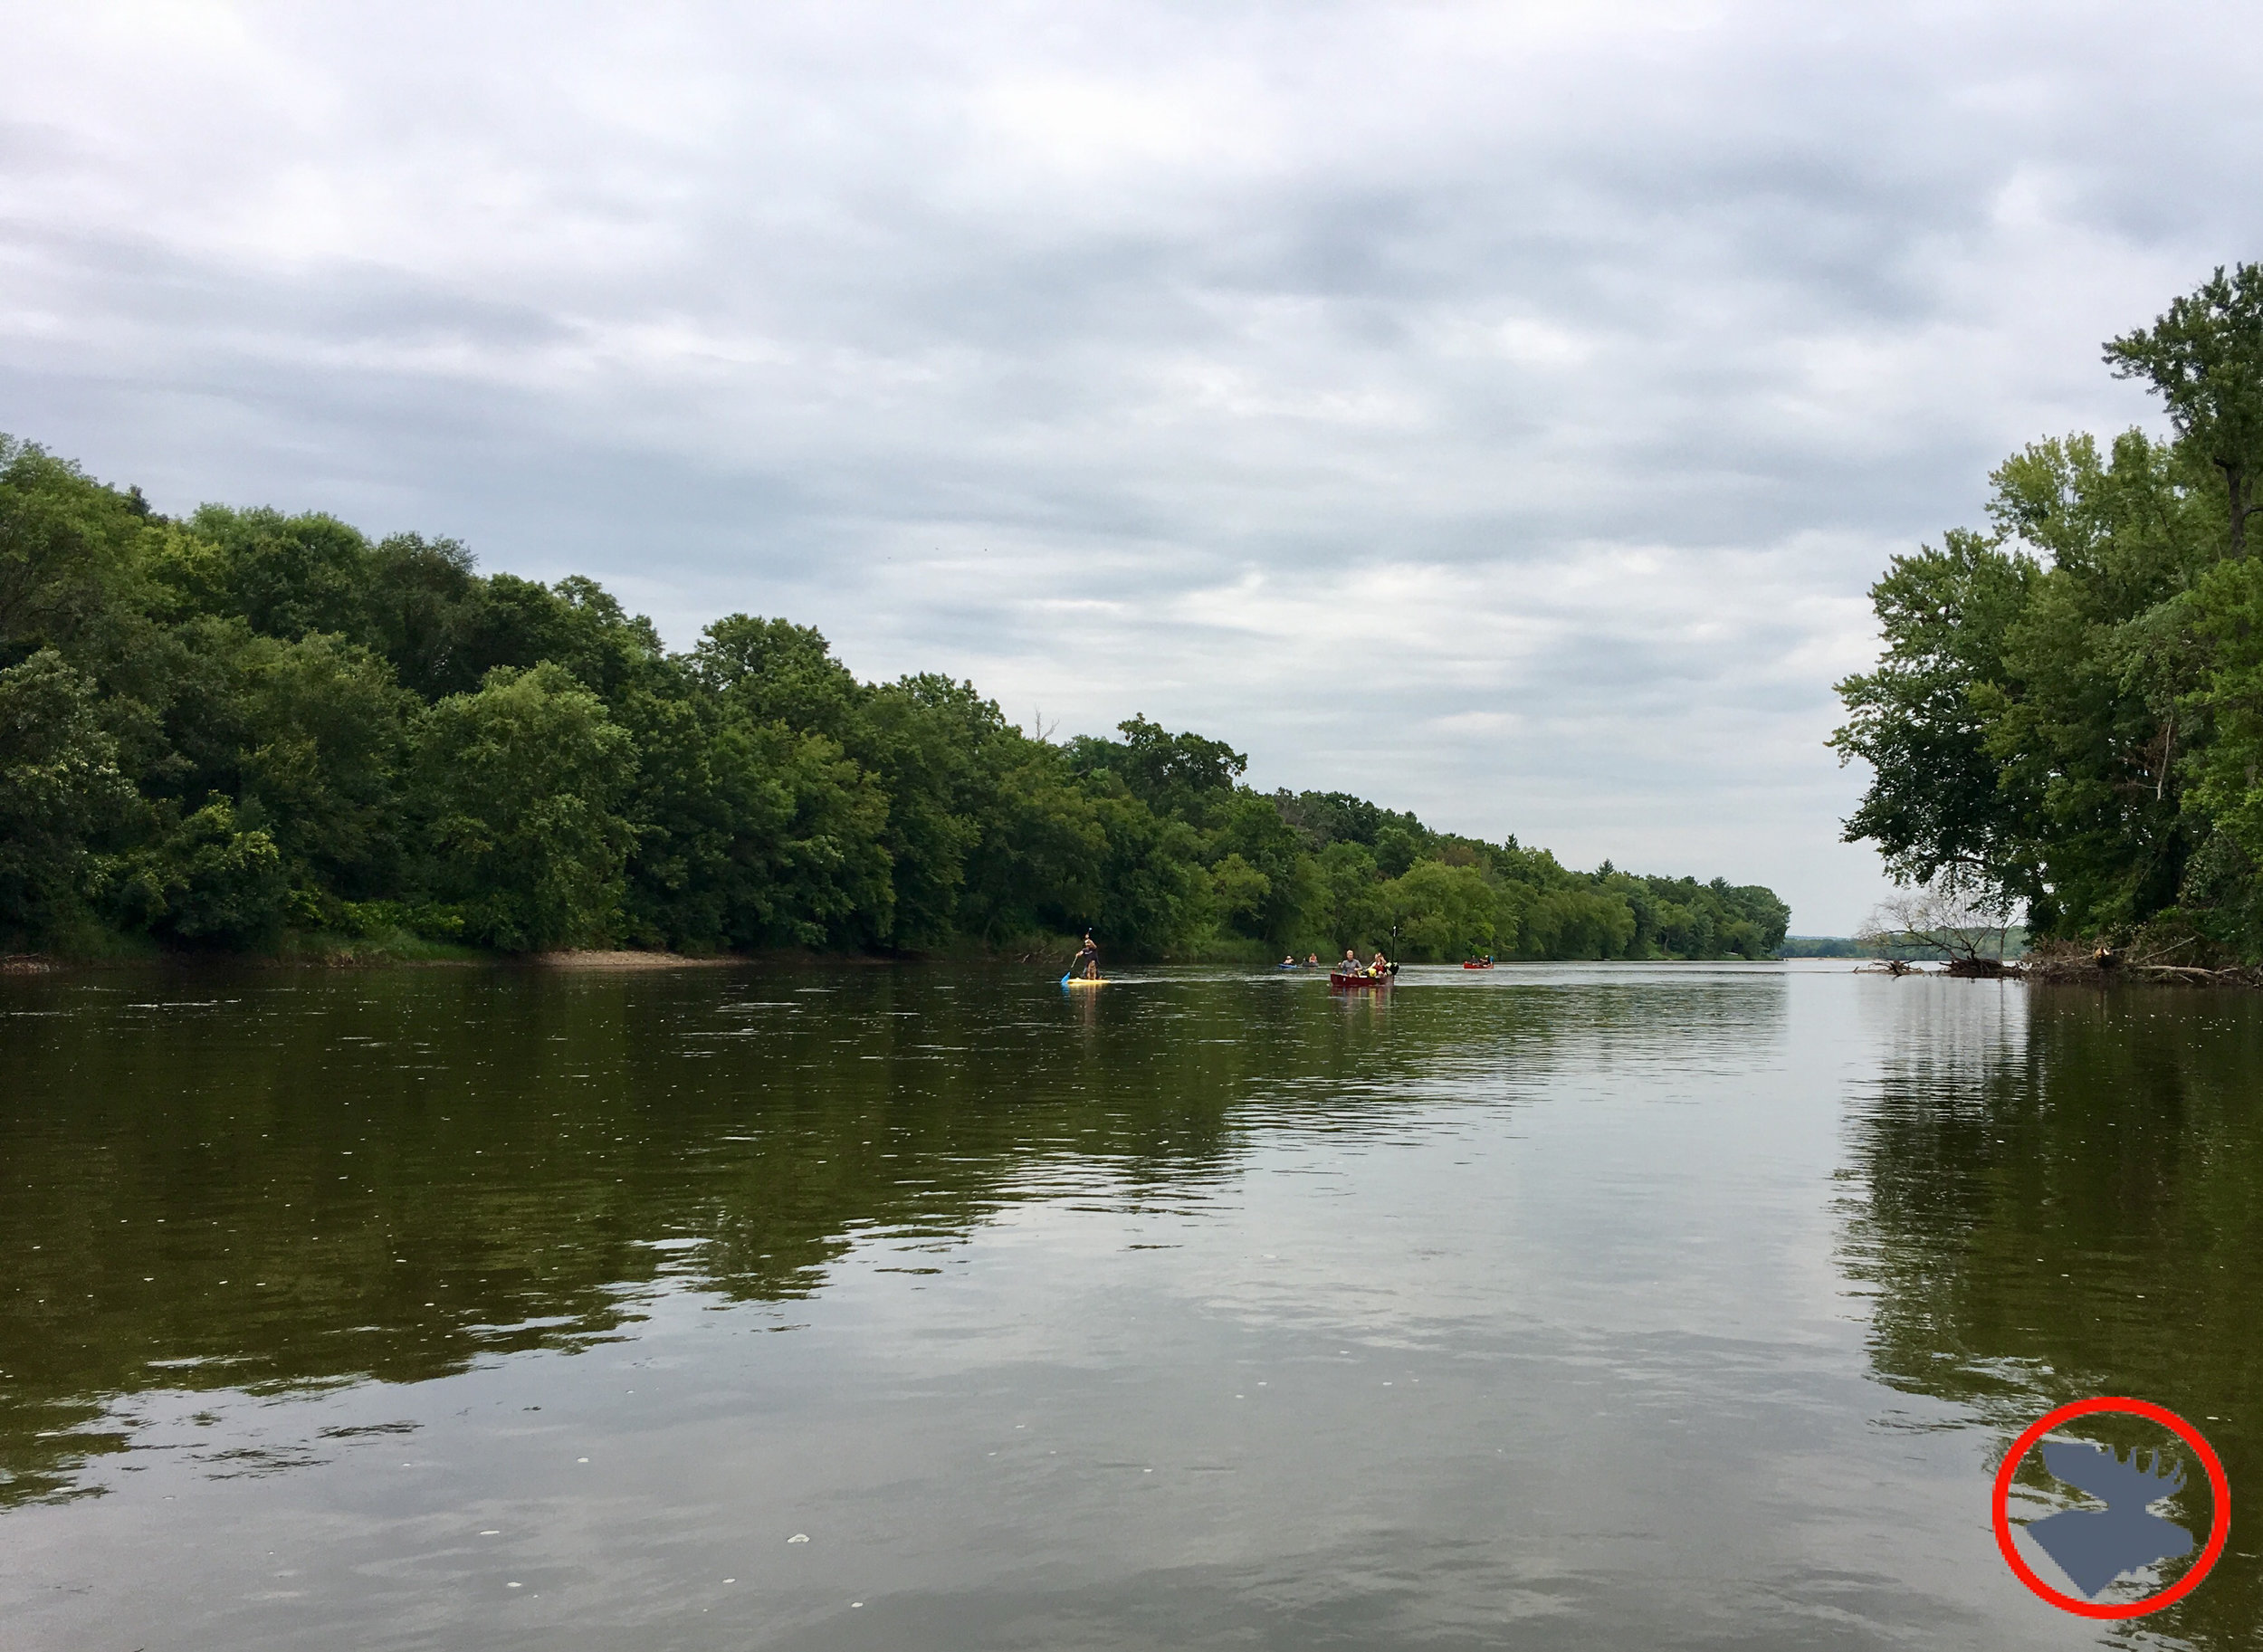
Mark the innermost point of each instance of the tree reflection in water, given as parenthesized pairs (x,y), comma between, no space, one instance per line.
(2061,1195)
(278,1180)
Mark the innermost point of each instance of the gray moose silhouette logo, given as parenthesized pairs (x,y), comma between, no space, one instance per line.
(2094,1546)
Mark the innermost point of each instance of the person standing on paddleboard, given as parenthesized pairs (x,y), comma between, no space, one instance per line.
(1087,963)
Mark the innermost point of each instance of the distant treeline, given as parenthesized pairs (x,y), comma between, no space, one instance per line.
(2015,944)
(2069,718)
(245,731)
(1823,946)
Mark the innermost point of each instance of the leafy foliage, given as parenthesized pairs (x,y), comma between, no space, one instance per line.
(221,729)
(2068,714)
(60,784)
(522,784)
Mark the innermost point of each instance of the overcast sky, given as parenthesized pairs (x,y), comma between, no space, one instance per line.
(1499,411)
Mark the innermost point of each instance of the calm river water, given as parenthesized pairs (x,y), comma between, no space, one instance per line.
(1580,1307)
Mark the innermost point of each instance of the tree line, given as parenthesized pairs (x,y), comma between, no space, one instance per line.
(242,729)
(2067,716)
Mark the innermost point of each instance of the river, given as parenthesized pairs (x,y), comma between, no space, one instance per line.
(798,1306)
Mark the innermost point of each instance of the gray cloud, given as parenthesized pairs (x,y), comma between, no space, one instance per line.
(1563,373)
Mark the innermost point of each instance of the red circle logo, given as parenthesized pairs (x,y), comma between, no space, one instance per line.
(2218,1530)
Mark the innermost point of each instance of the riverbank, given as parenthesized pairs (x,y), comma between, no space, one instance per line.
(2076,963)
(361,955)
(2106,965)
(300,951)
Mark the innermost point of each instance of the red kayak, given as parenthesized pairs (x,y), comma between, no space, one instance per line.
(1486,965)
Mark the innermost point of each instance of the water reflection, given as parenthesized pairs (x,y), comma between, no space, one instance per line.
(391,1177)
(2060,1195)
(1201,1310)
(274,1182)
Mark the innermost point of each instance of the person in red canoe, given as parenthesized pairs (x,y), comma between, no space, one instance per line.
(1351,964)
(1379,967)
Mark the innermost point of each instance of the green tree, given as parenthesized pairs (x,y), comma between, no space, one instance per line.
(425,604)
(220,728)
(71,553)
(205,878)
(1324,817)
(1354,914)
(923,740)
(285,576)
(1152,893)
(2031,722)
(1442,913)
(520,783)
(2204,357)
(325,734)
(1571,922)
(2088,720)
(775,670)
(2066,714)
(750,834)
(1179,777)
(1934,802)
(1239,892)
(60,788)
(2227,795)
(1275,890)
(1036,860)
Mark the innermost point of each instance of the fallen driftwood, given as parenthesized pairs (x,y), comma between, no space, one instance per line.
(2101,965)
(2073,963)
(1981,968)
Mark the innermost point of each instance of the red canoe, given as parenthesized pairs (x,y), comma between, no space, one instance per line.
(1486,965)
(1346,982)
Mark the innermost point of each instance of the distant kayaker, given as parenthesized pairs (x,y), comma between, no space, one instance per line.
(1312,962)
